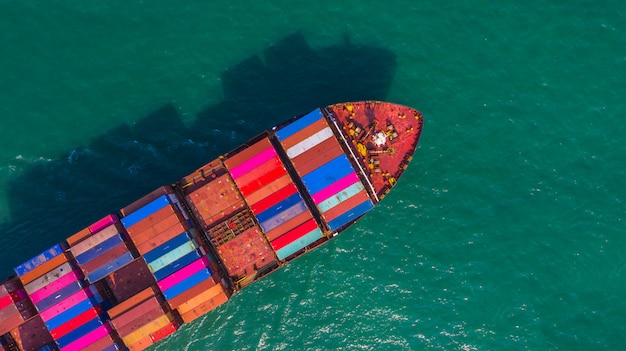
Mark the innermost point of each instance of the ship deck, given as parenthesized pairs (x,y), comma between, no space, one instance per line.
(382,136)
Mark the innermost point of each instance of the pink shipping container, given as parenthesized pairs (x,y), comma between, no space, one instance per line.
(103,223)
(88,338)
(48,278)
(184,273)
(66,304)
(55,286)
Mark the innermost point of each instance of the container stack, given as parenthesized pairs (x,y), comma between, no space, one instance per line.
(272,196)
(100,249)
(325,170)
(143,319)
(15,306)
(160,231)
(212,194)
(32,335)
(67,306)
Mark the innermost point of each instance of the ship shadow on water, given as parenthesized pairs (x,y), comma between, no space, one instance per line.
(52,200)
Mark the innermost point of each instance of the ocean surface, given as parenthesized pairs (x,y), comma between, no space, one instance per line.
(507,232)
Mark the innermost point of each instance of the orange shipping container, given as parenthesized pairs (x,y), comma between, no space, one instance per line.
(192,292)
(151,220)
(135,313)
(44,268)
(132,302)
(142,344)
(78,237)
(141,236)
(237,159)
(140,321)
(196,301)
(146,330)
(204,308)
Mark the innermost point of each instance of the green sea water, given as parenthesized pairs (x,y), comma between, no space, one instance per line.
(507,231)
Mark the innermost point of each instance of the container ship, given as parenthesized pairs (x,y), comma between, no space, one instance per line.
(137,275)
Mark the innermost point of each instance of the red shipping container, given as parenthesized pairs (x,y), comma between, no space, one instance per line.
(263,168)
(136,312)
(132,302)
(262,180)
(145,230)
(5,301)
(274,198)
(304,133)
(164,332)
(293,235)
(289,225)
(10,318)
(139,321)
(104,258)
(255,149)
(157,193)
(346,206)
(268,189)
(323,152)
(74,322)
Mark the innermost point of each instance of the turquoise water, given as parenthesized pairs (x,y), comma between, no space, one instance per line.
(506,232)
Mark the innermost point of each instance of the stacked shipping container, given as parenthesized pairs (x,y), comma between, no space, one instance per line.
(162,234)
(273,198)
(15,306)
(143,319)
(68,307)
(325,170)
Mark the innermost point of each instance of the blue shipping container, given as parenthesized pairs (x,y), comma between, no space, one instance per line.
(279,207)
(299,124)
(176,265)
(327,174)
(283,217)
(49,347)
(79,332)
(67,315)
(58,296)
(113,347)
(167,246)
(172,256)
(187,284)
(146,211)
(112,266)
(38,260)
(350,215)
(341,196)
(99,249)
(299,244)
